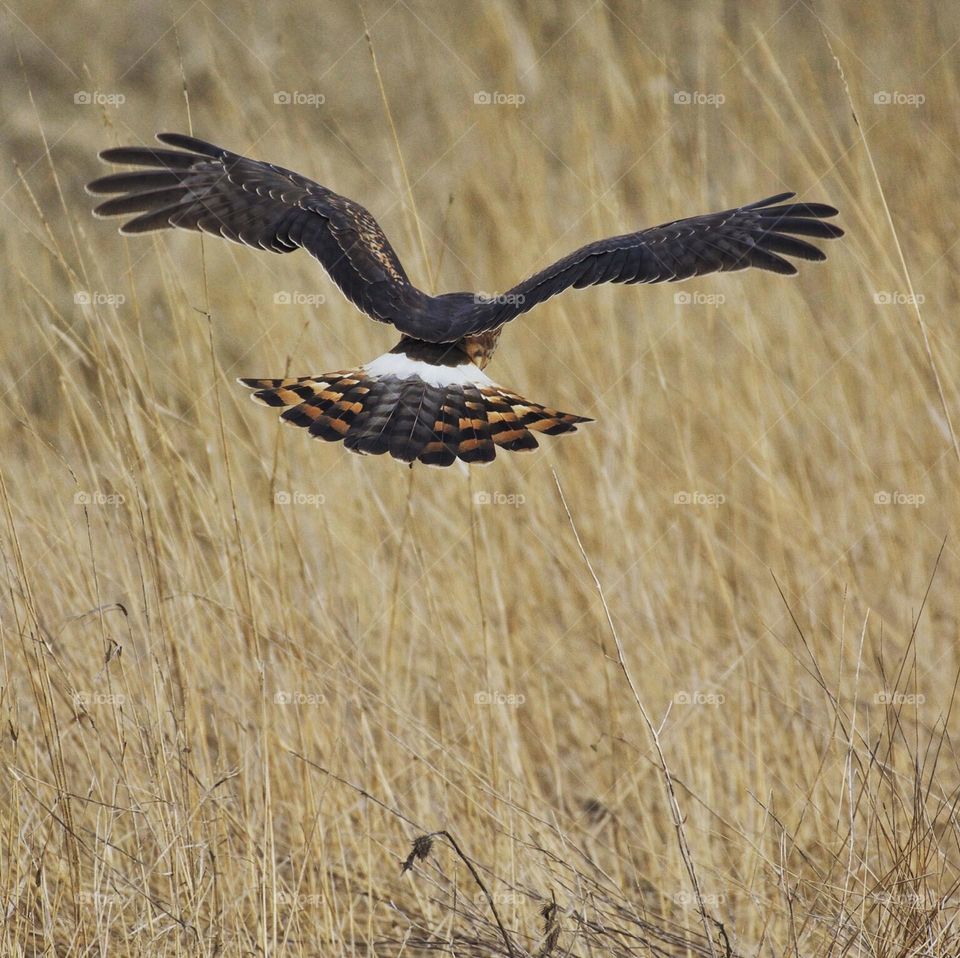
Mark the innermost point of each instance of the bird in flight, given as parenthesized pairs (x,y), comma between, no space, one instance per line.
(428,399)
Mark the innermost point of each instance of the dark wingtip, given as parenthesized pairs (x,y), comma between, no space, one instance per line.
(148,222)
(778,204)
(820,210)
(147,156)
(832,231)
(115,154)
(769,201)
(184,142)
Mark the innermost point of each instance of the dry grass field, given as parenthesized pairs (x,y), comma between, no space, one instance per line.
(242,672)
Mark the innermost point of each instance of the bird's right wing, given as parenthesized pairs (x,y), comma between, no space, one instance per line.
(760,234)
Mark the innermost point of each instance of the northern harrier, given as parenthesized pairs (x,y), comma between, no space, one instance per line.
(427,399)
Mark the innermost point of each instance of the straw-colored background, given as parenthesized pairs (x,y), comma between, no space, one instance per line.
(184,653)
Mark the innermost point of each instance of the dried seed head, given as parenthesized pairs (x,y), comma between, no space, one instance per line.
(595,810)
(422,846)
(551,929)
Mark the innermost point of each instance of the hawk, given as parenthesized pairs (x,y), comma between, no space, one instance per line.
(428,399)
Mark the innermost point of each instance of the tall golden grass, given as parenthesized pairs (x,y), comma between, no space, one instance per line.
(242,672)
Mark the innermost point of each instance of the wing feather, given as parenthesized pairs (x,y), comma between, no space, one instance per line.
(760,235)
(203,187)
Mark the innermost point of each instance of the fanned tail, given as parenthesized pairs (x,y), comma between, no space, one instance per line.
(376,410)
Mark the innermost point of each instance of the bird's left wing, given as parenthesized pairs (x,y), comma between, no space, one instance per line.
(199,186)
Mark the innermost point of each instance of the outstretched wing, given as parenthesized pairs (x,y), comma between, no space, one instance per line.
(760,235)
(203,187)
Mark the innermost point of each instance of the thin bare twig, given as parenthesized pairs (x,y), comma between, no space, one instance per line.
(896,239)
(651,728)
(422,846)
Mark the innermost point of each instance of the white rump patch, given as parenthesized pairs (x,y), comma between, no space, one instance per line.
(401,366)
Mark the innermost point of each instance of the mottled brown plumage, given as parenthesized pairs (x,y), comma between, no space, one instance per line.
(410,419)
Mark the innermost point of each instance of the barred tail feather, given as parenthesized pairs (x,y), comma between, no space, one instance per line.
(410,418)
